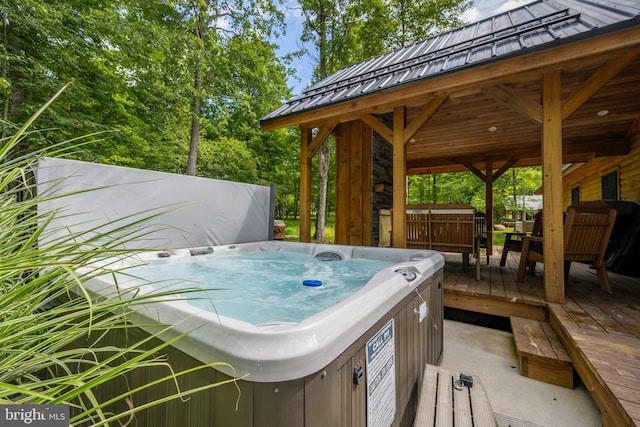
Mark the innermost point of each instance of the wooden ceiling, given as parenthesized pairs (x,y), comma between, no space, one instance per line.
(499,122)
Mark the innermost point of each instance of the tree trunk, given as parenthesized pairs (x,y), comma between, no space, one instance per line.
(434,190)
(323,154)
(515,194)
(323,173)
(195,122)
(201,25)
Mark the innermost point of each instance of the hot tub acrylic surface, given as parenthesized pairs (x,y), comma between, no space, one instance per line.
(265,287)
(303,372)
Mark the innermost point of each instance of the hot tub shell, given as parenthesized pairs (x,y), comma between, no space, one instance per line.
(296,374)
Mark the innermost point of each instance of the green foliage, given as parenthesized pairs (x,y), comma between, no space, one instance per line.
(511,188)
(463,187)
(416,20)
(292,229)
(233,160)
(51,335)
(133,64)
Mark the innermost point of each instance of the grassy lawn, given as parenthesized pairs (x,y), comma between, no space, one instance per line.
(292,231)
(499,236)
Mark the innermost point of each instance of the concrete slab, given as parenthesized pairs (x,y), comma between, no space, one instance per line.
(518,400)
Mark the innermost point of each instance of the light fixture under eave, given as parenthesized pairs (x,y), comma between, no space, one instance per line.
(492,129)
(602,113)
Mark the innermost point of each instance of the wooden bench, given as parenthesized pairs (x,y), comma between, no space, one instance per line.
(541,355)
(441,403)
(444,228)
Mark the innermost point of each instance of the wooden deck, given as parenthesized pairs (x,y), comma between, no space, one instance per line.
(600,332)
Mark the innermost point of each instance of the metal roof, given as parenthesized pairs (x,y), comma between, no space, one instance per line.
(534,26)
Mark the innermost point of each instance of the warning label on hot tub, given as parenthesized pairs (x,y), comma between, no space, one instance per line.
(381,378)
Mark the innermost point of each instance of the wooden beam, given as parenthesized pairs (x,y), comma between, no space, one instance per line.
(552,187)
(305,185)
(600,78)
(529,157)
(320,138)
(574,150)
(423,117)
(505,167)
(488,207)
(341,224)
(635,128)
(398,225)
(477,172)
(490,305)
(507,97)
(378,126)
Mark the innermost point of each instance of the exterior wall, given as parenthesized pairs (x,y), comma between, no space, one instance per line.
(382,178)
(588,176)
(364,180)
(353,184)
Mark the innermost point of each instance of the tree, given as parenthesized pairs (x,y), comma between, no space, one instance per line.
(145,95)
(416,20)
(514,186)
(460,187)
(213,26)
(119,85)
(318,16)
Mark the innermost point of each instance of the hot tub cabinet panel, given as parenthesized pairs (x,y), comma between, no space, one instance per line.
(328,396)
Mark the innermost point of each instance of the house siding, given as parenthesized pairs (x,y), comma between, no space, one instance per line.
(588,176)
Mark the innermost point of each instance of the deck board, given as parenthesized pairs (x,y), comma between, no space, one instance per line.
(442,405)
(600,332)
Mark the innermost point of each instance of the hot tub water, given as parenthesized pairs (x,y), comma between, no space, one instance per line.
(263,287)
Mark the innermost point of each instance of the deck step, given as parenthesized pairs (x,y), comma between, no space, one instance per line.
(540,353)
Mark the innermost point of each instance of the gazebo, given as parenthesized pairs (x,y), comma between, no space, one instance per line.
(548,83)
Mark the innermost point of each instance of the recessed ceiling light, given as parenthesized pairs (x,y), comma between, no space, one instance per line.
(412,140)
(602,113)
(492,129)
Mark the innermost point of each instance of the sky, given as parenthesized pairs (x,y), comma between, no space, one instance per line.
(304,66)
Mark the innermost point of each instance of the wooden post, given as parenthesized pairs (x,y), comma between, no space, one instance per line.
(489,205)
(552,225)
(399,233)
(305,185)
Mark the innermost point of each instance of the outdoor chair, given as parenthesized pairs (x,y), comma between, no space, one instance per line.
(587,229)
(481,235)
(513,240)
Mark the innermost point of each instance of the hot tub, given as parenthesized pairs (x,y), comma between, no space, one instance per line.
(356,362)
